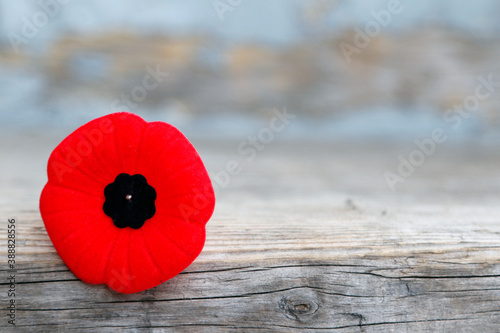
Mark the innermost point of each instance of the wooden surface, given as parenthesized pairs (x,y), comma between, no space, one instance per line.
(308,238)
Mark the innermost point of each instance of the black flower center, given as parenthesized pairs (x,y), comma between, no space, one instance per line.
(130,201)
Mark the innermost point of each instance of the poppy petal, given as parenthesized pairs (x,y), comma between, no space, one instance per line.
(170,257)
(118,274)
(128,140)
(176,167)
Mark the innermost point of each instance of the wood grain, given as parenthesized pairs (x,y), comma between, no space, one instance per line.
(308,238)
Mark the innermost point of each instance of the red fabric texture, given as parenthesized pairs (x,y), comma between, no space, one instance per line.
(71,204)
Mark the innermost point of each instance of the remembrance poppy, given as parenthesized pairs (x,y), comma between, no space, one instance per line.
(126,202)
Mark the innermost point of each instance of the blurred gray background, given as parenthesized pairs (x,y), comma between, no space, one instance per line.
(230,63)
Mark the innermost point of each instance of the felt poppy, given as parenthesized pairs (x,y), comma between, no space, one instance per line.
(126,202)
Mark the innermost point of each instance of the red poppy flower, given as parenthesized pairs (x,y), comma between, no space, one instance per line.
(126,202)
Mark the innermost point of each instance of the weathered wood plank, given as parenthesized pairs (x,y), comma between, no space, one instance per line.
(308,238)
